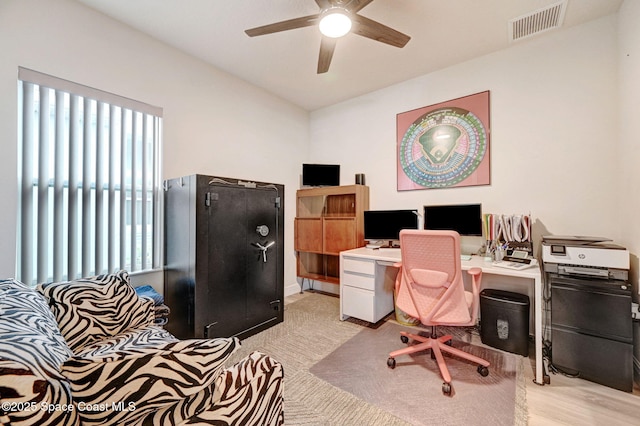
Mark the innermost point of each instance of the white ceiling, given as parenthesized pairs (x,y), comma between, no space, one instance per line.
(443,33)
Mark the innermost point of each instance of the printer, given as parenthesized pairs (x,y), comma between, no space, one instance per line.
(590,256)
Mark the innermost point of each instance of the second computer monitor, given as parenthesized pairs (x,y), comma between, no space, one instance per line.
(466,219)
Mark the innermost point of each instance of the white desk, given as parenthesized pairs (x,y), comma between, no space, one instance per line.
(366,287)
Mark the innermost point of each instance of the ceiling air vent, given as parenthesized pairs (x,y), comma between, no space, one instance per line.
(537,22)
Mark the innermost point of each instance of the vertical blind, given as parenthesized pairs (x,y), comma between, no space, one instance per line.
(89,175)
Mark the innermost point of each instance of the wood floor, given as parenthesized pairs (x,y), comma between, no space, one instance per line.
(572,401)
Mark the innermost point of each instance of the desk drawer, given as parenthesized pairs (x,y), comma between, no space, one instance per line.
(364,282)
(359,266)
(358,303)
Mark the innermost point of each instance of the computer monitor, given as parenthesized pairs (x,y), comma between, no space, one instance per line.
(466,219)
(320,174)
(385,225)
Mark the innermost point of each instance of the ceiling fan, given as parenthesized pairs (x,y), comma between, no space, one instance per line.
(337,18)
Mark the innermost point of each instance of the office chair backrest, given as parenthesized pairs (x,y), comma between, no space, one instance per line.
(431,286)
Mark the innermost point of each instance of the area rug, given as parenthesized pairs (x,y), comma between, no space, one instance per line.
(413,390)
(310,334)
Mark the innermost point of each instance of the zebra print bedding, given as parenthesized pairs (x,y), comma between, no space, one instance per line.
(151,336)
(258,375)
(121,369)
(140,380)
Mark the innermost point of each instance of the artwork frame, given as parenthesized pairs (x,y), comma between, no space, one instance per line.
(445,145)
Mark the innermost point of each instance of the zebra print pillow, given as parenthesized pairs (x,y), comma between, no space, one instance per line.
(90,309)
(134,383)
(31,352)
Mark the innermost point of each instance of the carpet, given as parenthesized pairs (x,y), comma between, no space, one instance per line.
(413,390)
(310,333)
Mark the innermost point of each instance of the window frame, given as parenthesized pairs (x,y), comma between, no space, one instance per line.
(67,229)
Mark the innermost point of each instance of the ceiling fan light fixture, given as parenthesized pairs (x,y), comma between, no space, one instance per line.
(335,22)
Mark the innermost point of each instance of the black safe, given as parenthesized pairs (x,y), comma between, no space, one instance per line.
(224,256)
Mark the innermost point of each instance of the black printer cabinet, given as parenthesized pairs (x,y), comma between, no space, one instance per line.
(591,329)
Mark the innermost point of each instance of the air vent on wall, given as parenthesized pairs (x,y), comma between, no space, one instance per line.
(537,22)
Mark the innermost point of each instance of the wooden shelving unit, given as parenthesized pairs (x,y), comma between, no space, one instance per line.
(328,220)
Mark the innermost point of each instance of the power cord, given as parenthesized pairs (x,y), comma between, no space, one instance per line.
(547,355)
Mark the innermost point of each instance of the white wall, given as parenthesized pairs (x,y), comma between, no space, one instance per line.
(629,141)
(555,115)
(554,144)
(628,56)
(214,123)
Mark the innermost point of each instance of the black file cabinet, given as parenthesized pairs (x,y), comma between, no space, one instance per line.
(591,329)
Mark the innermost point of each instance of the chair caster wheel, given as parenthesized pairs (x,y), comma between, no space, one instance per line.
(483,371)
(391,363)
(446,388)
(404,339)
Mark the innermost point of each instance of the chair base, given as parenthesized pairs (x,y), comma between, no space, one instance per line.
(438,345)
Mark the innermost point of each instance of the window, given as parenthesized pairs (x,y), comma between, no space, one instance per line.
(89,176)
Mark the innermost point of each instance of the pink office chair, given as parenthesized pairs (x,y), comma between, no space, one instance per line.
(432,289)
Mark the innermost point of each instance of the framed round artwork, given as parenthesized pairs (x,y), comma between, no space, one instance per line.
(445,145)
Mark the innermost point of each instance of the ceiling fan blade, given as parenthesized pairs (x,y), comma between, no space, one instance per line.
(352,6)
(357,5)
(290,24)
(324,4)
(327,46)
(376,31)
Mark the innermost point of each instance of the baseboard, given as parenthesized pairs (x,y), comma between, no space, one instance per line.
(291,289)
(320,286)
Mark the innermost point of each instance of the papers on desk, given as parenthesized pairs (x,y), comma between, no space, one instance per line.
(518,266)
(506,233)
(508,228)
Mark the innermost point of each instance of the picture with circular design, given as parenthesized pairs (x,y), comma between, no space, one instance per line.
(445,145)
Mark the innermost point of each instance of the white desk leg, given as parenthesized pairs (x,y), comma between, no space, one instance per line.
(342,316)
(538,325)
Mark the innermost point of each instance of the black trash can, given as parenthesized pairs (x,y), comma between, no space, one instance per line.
(504,320)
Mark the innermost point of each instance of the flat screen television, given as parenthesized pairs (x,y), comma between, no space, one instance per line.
(385,225)
(466,219)
(320,174)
